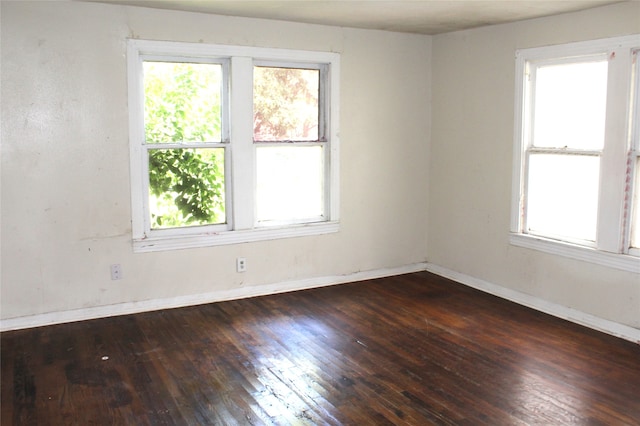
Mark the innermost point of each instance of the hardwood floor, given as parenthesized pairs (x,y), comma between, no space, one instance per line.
(414,349)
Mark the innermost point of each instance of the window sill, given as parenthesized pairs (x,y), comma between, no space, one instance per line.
(618,261)
(152,244)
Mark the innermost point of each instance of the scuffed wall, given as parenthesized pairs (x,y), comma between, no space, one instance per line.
(65,158)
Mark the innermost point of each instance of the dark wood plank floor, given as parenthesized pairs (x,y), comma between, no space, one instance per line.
(414,349)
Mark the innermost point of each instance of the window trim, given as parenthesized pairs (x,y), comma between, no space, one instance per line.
(241,226)
(611,248)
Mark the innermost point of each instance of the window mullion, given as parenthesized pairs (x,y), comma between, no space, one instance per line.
(242,154)
(610,232)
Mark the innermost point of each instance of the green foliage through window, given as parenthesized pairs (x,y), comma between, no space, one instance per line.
(183,105)
(186,186)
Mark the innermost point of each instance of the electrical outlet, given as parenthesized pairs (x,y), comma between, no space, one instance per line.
(241,264)
(116,272)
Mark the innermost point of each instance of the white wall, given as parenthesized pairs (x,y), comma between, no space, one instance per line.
(65,164)
(470,173)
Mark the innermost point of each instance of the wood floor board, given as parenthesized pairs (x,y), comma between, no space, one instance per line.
(414,349)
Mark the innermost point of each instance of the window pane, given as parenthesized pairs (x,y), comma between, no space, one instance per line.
(186,187)
(285,104)
(290,183)
(570,105)
(182,102)
(635,209)
(562,198)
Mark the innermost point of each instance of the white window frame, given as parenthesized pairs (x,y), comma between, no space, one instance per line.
(613,228)
(241,226)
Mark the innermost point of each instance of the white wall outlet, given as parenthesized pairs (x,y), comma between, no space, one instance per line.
(116,272)
(241,264)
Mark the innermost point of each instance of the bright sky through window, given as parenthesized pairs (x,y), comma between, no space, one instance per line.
(569,118)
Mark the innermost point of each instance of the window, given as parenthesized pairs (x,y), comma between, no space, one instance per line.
(576,151)
(231,144)
(289,144)
(183,142)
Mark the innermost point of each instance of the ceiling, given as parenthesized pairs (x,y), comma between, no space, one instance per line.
(416,16)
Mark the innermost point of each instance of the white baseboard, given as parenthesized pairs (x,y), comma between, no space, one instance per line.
(573,315)
(199,299)
(616,329)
